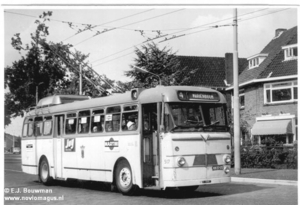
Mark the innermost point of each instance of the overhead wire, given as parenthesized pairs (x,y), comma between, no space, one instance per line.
(132,24)
(224,25)
(175,33)
(189,33)
(113,21)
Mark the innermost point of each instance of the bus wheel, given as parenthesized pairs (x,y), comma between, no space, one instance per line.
(124,178)
(188,188)
(44,174)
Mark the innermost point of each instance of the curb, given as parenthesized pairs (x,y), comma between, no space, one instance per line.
(265,181)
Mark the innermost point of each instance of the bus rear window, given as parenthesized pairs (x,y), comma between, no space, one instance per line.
(28,125)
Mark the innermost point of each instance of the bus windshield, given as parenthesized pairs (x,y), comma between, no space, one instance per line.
(195,117)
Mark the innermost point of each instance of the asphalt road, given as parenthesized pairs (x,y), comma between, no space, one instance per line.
(18,185)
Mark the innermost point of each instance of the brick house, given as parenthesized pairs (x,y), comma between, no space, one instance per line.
(268,90)
(211,72)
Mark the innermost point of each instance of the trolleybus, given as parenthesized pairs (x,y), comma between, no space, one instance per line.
(167,136)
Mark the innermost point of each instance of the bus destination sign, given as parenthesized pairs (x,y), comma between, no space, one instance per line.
(210,96)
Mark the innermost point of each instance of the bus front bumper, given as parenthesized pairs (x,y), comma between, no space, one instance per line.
(196,182)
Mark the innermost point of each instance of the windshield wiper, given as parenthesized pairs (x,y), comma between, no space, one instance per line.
(213,123)
(179,126)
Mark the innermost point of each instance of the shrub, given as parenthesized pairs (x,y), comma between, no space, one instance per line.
(273,156)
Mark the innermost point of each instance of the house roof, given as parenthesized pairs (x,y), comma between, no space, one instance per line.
(210,71)
(274,64)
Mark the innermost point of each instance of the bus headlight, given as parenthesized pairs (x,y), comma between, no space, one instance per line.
(227,159)
(181,161)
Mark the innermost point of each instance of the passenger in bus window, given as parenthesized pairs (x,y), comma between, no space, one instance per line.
(124,125)
(84,128)
(146,124)
(95,129)
(131,125)
(108,127)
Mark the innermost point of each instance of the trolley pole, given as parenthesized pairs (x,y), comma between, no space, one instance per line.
(236,109)
(80,80)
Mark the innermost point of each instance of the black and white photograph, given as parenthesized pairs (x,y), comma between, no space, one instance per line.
(150,103)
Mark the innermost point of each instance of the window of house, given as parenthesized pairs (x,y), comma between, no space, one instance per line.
(290,52)
(112,119)
(256,60)
(280,92)
(47,125)
(71,123)
(253,62)
(242,98)
(97,121)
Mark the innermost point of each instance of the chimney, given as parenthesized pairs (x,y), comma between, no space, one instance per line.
(229,68)
(279,31)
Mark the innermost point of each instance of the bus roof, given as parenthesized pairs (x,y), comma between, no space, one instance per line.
(151,95)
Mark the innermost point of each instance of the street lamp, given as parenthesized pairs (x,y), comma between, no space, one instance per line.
(37,91)
(145,71)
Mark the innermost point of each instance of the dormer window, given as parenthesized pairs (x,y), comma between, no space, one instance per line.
(256,60)
(290,52)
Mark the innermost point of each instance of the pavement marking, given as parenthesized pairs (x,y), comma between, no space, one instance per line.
(265,181)
(12,170)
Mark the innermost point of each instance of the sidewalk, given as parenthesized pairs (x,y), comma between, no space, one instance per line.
(266,176)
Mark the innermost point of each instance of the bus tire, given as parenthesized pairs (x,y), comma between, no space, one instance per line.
(188,188)
(44,173)
(123,178)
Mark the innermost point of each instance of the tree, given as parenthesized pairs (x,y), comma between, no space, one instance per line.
(38,67)
(50,66)
(162,62)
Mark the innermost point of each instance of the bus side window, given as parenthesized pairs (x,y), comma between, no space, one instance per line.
(130,118)
(71,123)
(47,126)
(97,121)
(84,121)
(30,128)
(38,126)
(25,127)
(112,119)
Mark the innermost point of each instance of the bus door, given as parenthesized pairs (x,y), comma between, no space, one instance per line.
(58,146)
(150,144)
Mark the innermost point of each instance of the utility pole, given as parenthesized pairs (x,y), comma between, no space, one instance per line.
(80,80)
(236,103)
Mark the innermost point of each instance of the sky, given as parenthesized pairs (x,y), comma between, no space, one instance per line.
(187,30)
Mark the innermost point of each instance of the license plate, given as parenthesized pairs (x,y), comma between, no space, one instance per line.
(218,167)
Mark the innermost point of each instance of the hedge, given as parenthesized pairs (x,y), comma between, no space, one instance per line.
(275,156)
